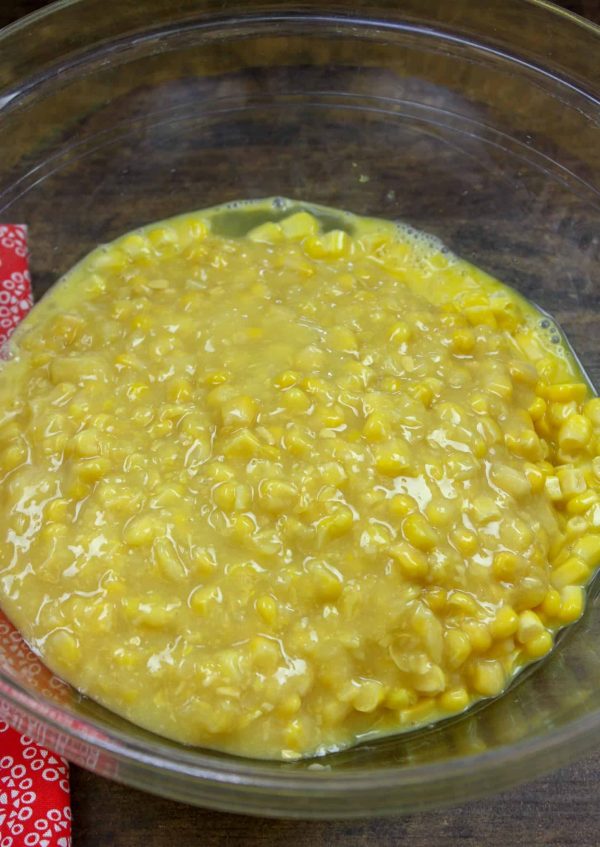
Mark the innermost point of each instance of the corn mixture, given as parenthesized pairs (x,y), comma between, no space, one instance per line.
(274,493)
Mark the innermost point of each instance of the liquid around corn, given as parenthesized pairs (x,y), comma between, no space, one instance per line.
(272,493)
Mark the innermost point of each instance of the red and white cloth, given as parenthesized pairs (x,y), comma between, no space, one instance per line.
(35,806)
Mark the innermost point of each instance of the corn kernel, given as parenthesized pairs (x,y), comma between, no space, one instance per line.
(402,504)
(463,341)
(592,411)
(575,433)
(588,549)
(454,700)
(539,645)
(505,624)
(377,427)
(267,609)
(419,532)
(335,525)
(511,480)
(465,541)
(572,599)
(479,635)
(574,570)
(530,626)
(488,677)
(299,225)
(413,563)
(551,605)
(393,458)
(267,233)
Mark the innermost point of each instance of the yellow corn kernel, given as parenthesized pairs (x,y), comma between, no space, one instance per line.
(267,233)
(296,400)
(402,504)
(335,525)
(289,706)
(244,444)
(559,412)
(484,509)
(539,646)
(239,411)
(265,653)
(232,496)
(454,700)
(299,225)
(575,434)
(412,562)
(86,443)
(465,541)
(572,481)
(462,602)
(203,599)
(399,698)
(572,599)
(435,597)
(298,441)
(516,534)
(91,470)
(332,244)
(488,677)
(151,611)
(277,496)
(170,564)
(535,477)
(141,530)
(400,332)
(565,392)
(418,532)
(480,403)
(393,458)
(573,571)
(342,339)
(13,456)
(551,605)
(440,512)
(216,378)
(432,681)
(580,504)
(530,626)
(511,480)
(553,489)
(63,647)
(377,427)
(333,473)
(523,372)
(57,510)
(505,624)
(457,648)
(479,635)
(537,409)
(588,549)
(592,411)
(266,607)
(463,341)
(179,390)
(286,379)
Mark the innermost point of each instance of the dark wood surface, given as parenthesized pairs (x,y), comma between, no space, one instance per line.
(559,810)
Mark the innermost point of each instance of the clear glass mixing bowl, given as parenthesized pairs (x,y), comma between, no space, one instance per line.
(478,122)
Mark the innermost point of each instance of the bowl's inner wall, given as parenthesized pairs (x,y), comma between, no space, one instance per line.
(388,123)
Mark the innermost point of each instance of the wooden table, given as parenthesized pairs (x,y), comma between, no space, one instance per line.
(559,810)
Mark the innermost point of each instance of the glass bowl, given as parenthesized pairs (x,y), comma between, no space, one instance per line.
(477,122)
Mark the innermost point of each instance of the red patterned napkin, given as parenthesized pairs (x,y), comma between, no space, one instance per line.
(35,808)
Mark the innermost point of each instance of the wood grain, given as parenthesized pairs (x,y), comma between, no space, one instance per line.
(557,811)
